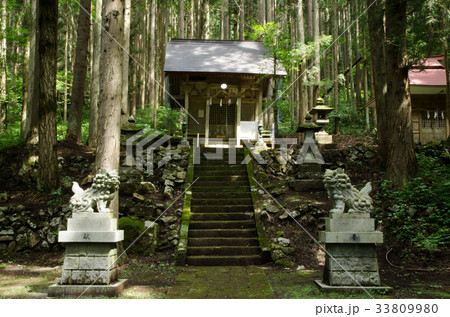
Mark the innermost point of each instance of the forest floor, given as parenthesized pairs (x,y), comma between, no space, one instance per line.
(28,274)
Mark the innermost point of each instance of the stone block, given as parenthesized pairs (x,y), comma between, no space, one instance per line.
(351,237)
(351,278)
(94,236)
(86,263)
(350,225)
(71,263)
(87,224)
(352,264)
(351,250)
(101,249)
(92,215)
(348,216)
(66,277)
(111,290)
(76,249)
(102,263)
(79,277)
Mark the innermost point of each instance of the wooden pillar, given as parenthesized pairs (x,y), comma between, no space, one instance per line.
(208,104)
(187,89)
(238,120)
(260,104)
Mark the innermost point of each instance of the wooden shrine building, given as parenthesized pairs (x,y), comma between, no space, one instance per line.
(222,86)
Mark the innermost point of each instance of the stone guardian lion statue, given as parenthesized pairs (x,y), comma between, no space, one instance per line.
(99,196)
(345,195)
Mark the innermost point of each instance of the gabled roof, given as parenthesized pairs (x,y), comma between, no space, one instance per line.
(429,77)
(214,56)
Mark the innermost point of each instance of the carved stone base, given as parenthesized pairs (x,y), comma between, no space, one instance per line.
(89,263)
(348,264)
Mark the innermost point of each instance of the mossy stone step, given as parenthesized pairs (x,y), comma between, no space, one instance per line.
(221,177)
(225,233)
(203,181)
(220,189)
(223,250)
(222,241)
(224,195)
(221,208)
(211,163)
(220,173)
(221,216)
(232,224)
(222,201)
(224,260)
(223,167)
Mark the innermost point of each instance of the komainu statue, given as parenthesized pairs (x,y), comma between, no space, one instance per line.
(344,194)
(99,196)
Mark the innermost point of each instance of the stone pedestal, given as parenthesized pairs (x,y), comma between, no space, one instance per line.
(90,260)
(323,137)
(308,178)
(351,258)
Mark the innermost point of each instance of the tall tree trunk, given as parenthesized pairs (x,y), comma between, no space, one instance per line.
(351,82)
(48,159)
(180,21)
(316,17)
(125,113)
(337,128)
(206,9)
(446,65)
(262,12)
(226,20)
(30,111)
(152,60)
(358,75)
(95,75)
(302,80)
(66,66)
(79,74)
(241,20)
(108,139)
(191,20)
(3,69)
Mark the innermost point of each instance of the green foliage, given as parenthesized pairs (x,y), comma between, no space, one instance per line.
(167,120)
(10,137)
(352,121)
(418,214)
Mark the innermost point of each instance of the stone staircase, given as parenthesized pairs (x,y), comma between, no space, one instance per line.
(222,228)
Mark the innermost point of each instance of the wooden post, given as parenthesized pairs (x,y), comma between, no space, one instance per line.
(208,104)
(238,120)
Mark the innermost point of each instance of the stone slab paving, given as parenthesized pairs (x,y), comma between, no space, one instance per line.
(220,282)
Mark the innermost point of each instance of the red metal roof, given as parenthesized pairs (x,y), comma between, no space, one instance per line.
(430,73)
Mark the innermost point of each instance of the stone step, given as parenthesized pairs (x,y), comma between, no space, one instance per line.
(223,233)
(220,163)
(212,194)
(203,181)
(214,173)
(212,202)
(220,208)
(222,241)
(224,260)
(221,177)
(219,189)
(221,167)
(221,216)
(222,250)
(232,224)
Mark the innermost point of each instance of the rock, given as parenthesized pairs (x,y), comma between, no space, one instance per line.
(284,263)
(174,242)
(173,234)
(287,250)
(138,197)
(284,241)
(181,175)
(281,160)
(169,183)
(45,245)
(265,216)
(7,232)
(277,192)
(272,208)
(168,220)
(51,238)
(22,242)
(168,192)
(289,214)
(276,255)
(55,222)
(147,187)
(177,157)
(262,178)
(301,268)
(33,239)
(261,192)
(12,246)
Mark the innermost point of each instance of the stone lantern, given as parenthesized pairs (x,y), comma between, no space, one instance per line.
(320,112)
(309,162)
